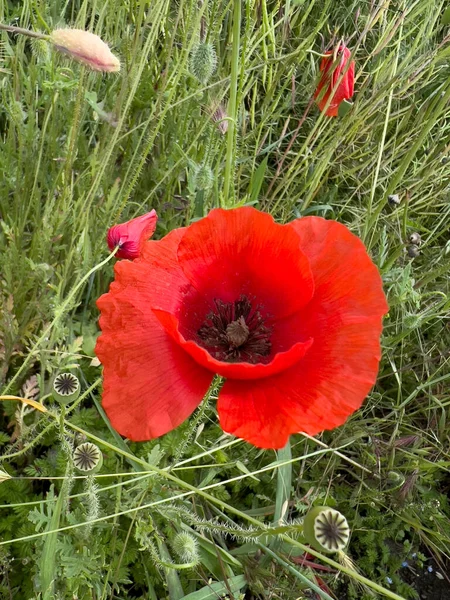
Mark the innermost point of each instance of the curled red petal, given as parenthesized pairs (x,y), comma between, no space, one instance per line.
(233,370)
(330,91)
(131,236)
(331,381)
(151,385)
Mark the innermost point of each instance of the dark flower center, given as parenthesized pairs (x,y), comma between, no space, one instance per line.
(235,332)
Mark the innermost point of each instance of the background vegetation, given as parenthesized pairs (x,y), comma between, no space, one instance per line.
(81,151)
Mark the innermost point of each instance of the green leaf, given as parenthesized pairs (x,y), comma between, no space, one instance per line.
(211,592)
(257,179)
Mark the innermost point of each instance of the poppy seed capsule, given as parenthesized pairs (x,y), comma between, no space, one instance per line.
(415,239)
(87,48)
(394,200)
(326,529)
(87,458)
(413,251)
(66,388)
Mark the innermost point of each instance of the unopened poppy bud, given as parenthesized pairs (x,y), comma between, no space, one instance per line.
(87,458)
(186,547)
(326,529)
(132,235)
(337,81)
(87,48)
(204,178)
(66,388)
(203,61)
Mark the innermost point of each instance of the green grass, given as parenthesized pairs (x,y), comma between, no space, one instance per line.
(82,151)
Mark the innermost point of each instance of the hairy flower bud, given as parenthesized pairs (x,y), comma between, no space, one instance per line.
(186,547)
(203,61)
(87,48)
(326,529)
(204,177)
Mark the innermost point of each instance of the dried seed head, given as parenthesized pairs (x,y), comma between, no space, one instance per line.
(326,529)
(415,239)
(203,61)
(394,200)
(66,388)
(186,547)
(87,48)
(413,251)
(87,458)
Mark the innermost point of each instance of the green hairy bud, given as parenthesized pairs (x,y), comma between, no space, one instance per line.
(203,61)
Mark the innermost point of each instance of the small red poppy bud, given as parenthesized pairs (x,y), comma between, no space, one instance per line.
(131,236)
(87,48)
(333,88)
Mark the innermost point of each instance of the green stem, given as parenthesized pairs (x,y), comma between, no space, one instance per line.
(27,32)
(232,105)
(242,515)
(59,312)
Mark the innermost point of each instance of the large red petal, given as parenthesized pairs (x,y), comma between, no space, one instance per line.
(151,385)
(244,252)
(345,319)
(239,370)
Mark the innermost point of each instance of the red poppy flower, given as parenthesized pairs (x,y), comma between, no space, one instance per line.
(132,235)
(328,89)
(289,314)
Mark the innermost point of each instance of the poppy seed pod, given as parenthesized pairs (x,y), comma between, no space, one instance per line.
(415,239)
(66,388)
(336,82)
(87,458)
(326,529)
(87,48)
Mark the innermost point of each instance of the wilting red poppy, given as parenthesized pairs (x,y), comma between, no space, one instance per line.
(132,235)
(332,67)
(289,314)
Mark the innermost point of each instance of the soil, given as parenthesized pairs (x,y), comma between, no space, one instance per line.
(434,585)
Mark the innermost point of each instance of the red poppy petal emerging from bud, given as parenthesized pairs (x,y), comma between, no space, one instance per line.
(131,236)
(334,86)
(290,315)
